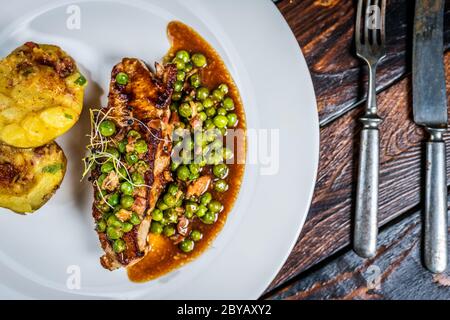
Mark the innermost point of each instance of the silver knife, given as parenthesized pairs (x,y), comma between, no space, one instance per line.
(430,111)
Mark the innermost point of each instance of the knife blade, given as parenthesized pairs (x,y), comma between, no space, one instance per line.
(430,111)
(429,96)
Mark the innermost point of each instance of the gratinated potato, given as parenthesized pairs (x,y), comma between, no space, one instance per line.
(41,95)
(29,177)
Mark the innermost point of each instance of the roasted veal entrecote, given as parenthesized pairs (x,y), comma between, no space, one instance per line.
(132,154)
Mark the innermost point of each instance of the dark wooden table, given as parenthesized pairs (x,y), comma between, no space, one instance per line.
(322,264)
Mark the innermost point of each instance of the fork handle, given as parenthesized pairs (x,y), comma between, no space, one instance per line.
(366,211)
(435,233)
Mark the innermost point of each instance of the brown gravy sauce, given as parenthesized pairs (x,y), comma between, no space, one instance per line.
(164,256)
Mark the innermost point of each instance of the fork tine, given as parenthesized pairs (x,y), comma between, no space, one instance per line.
(358,24)
(383,18)
(366,30)
(375,30)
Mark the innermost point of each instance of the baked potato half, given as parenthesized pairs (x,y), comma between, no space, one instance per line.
(41,95)
(29,177)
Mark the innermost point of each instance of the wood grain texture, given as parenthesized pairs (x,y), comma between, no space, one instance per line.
(328,226)
(396,272)
(324,30)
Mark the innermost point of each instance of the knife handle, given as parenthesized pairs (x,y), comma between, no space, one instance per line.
(435,235)
(366,211)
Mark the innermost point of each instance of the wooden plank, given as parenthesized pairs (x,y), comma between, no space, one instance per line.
(396,272)
(324,30)
(328,226)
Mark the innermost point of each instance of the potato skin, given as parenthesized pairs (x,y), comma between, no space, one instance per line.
(41,95)
(30,177)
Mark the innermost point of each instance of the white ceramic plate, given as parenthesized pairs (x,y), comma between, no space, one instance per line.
(40,253)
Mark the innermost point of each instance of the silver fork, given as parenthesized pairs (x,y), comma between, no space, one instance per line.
(370,48)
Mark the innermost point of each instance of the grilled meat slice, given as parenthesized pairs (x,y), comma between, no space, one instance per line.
(142,105)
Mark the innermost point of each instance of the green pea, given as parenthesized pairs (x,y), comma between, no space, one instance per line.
(199,60)
(195,80)
(135,220)
(101,179)
(199,106)
(107,128)
(113,200)
(208,102)
(183,55)
(119,246)
(202,116)
(171,215)
(176,96)
(228,104)
(157,215)
(218,95)
(122,78)
(196,235)
(169,230)
(185,110)
(81,81)
(188,67)
(161,205)
(127,227)
(172,189)
(114,233)
(215,206)
(179,63)
(221,185)
(209,218)
(181,75)
(170,200)
(127,202)
(134,134)
(113,221)
(156,227)
(122,146)
(113,152)
(137,178)
(206,198)
(232,119)
(202,209)
(107,167)
(202,93)
(220,121)
(178,87)
(209,125)
(193,176)
(194,168)
(140,146)
(210,112)
(126,188)
(221,111)
(101,225)
(187,245)
(191,206)
(131,158)
(220,171)
(183,173)
(227,154)
(224,88)
(104,208)
(123,173)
